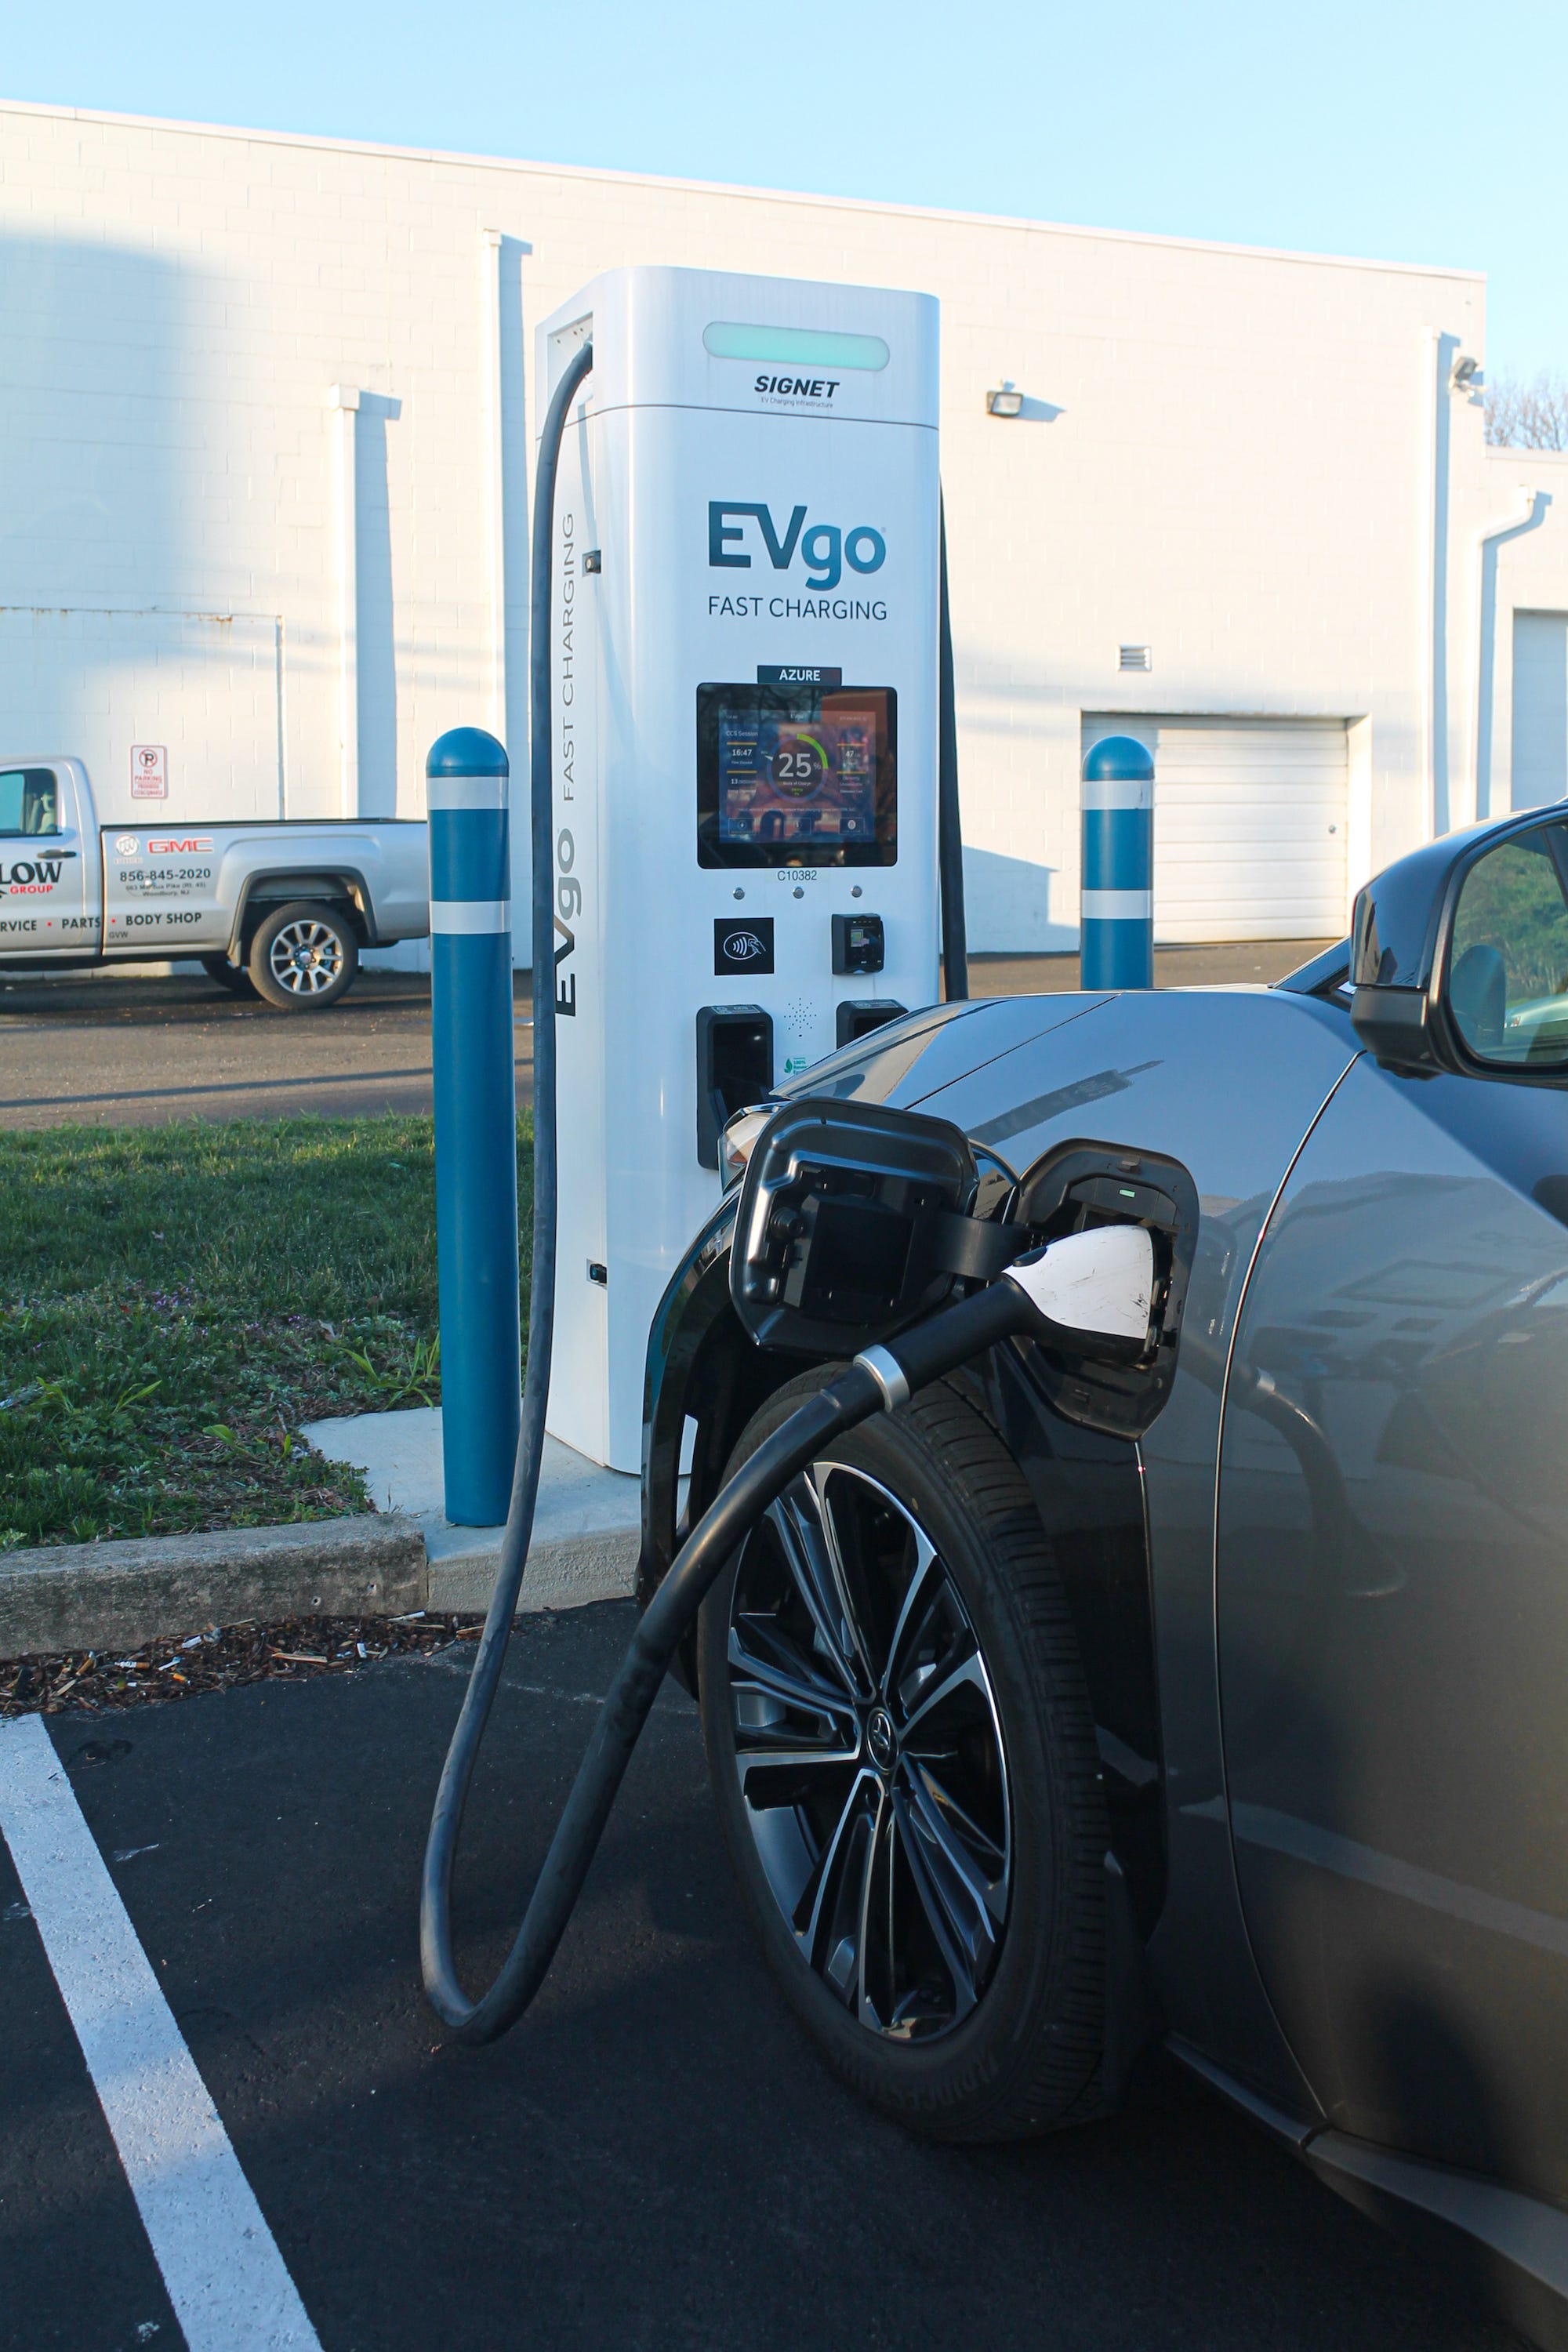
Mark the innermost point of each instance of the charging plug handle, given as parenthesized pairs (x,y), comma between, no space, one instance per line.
(1089,1293)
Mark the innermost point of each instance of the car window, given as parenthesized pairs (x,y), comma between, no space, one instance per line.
(30,800)
(1507,966)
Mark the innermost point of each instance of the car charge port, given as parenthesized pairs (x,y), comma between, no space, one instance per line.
(1073,1189)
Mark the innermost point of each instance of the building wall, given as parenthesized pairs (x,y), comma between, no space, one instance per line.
(1250,462)
(1521,576)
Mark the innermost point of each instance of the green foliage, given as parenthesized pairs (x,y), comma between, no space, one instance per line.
(174,1301)
(1512,902)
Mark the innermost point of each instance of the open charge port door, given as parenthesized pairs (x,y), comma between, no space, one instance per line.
(1080,1185)
(734,1069)
(858,1015)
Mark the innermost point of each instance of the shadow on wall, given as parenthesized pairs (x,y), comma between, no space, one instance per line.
(517,461)
(115,507)
(98,348)
(1015,907)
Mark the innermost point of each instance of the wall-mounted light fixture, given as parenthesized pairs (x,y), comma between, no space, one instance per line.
(1467,375)
(1008,402)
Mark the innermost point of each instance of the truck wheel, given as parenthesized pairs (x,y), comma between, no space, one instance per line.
(232,976)
(304,957)
(903,1757)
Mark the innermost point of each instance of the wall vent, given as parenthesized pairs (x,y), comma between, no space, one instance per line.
(1134,657)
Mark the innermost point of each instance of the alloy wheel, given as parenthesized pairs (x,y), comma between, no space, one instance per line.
(306,957)
(873,1768)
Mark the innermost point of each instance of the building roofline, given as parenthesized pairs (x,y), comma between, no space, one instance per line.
(457,157)
(1515,453)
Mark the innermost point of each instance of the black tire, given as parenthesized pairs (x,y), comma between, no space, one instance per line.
(304,956)
(1013,2045)
(233,977)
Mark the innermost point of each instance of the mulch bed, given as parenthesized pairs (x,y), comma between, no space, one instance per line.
(295,1649)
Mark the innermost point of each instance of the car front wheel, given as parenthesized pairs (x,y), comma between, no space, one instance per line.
(904,1762)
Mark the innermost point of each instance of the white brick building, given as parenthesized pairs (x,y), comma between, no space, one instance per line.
(266,428)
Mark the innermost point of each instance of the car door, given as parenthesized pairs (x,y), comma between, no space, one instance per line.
(43,866)
(1392,1575)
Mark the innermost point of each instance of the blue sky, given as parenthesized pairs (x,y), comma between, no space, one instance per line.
(1413,134)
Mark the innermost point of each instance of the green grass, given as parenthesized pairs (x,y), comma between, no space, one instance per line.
(174,1301)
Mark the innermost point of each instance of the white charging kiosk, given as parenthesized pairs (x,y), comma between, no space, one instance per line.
(744,664)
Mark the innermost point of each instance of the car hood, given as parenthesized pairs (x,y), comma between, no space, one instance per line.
(904,1061)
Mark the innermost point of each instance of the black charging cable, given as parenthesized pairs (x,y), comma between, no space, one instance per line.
(878,1380)
(436,1953)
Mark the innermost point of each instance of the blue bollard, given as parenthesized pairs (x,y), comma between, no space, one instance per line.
(476,1122)
(1116,904)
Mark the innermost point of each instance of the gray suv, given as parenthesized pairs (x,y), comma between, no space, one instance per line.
(1220,1697)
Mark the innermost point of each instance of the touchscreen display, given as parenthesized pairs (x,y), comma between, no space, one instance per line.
(790,775)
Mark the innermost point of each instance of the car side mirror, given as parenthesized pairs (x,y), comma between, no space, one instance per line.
(1459,955)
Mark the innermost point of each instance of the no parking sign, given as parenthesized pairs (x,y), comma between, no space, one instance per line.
(149,772)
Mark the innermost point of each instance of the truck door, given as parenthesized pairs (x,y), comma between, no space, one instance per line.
(43,862)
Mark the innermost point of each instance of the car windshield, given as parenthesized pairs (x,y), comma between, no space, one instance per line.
(1509,971)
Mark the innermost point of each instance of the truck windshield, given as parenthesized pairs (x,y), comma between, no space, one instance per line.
(30,800)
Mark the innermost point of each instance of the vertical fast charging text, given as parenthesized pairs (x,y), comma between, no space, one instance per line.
(568,888)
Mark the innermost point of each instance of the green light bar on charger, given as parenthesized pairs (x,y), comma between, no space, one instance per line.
(794,346)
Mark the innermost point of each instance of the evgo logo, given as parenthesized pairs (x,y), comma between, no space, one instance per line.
(823,547)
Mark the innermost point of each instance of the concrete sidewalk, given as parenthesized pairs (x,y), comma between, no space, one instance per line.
(585,1527)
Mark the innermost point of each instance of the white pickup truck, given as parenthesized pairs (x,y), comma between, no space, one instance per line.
(283,908)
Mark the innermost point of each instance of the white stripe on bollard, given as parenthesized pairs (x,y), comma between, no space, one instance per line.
(465,793)
(1118,792)
(226,2277)
(470,917)
(1117,906)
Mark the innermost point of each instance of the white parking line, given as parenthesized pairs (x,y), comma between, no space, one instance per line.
(224,2274)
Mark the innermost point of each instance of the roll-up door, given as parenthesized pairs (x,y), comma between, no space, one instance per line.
(1250,825)
(1540,708)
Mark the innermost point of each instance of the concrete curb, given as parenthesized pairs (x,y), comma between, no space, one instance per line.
(587,1521)
(106,1596)
(564,1574)
(118,1595)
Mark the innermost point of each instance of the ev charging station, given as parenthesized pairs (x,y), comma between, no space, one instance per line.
(742,737)
(744,674)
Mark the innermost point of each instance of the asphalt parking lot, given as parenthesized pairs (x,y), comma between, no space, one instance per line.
(654,2157)
(131,1049)
(123,1049)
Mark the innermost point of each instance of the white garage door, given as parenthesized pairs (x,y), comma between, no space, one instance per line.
(1250,825)
(1540,708)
